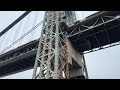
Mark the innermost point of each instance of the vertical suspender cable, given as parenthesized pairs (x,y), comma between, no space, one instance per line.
(24,29)
(8,39)
(23,36)
(17,32)
(2,41)
(31,36)
(15,36)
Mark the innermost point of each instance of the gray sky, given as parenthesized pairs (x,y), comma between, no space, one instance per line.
(102,64)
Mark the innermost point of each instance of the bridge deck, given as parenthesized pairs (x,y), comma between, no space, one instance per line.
(19,59)
(99,31)
(95,32)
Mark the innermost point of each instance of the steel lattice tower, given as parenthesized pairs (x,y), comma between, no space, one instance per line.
(52,59)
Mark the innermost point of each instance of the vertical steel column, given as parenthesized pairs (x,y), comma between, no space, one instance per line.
(52,56)
(71,17)
(39,49)
(56,62)
(48,55)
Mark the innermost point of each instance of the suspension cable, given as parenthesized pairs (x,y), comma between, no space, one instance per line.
(34,23)
(2,41)
(22,36)
(17,31)
(8,38)
(25,28)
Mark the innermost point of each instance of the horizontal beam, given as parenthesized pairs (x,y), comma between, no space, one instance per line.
(13,61)
(20,57)
(93,27)
(14,23)
(19,49)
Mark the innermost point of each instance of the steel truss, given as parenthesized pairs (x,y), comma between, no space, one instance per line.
(52,56)
(104,22)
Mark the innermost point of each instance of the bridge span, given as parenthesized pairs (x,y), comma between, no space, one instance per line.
(98,31)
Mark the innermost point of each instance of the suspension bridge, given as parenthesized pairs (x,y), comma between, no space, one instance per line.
(97,31)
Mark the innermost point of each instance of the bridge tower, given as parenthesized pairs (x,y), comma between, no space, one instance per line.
(56,58)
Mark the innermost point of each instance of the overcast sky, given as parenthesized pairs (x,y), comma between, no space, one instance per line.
(102,64)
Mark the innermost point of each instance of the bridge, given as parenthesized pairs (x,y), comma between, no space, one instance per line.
(97,31)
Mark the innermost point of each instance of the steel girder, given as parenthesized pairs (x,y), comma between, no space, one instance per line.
(52,56)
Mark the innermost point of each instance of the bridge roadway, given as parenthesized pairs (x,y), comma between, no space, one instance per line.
(98,31)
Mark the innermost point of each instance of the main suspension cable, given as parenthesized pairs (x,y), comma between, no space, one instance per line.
(17,31)
(25,28)
(22,36)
